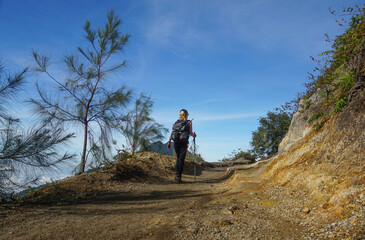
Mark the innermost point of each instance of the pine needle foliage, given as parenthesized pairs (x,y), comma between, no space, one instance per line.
(84,97)
(9,85)
(23,153)
(139,128)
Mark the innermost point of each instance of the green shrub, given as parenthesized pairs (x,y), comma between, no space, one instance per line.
(306,102)
(338,65)
(319,125)
(237,154)
(346,80)
(339,104)
(248,155)
(317,116)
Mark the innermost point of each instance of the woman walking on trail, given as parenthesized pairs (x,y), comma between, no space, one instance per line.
(181,131)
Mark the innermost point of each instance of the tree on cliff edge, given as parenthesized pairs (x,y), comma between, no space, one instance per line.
(83,96)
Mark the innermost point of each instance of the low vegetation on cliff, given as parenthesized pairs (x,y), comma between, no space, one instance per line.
(340,73)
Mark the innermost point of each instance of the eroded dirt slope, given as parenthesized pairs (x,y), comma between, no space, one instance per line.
(328,163)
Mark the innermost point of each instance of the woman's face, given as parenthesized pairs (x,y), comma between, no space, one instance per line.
(183,116)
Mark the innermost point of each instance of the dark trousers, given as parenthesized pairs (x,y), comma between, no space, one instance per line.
(180,150)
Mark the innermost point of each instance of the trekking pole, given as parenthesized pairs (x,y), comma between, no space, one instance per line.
(194,152)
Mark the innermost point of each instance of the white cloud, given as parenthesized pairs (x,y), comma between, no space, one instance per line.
(185,27)
(175,26)
(170,117)
(209,101)
(218,117)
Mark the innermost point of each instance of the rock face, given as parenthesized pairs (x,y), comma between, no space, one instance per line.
(329,162)
(299,126)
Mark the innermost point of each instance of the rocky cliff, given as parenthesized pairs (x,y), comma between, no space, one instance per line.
(324,149)
(328,161)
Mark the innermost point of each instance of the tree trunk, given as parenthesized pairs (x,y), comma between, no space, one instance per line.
(83,157)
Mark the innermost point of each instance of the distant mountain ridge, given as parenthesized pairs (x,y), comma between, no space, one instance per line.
(161,148)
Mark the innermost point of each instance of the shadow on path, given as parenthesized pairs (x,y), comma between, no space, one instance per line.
(153,192)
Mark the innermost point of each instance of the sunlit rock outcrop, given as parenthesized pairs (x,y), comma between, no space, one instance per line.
(330,161)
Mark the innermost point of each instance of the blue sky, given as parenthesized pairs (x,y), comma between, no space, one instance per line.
(227,62)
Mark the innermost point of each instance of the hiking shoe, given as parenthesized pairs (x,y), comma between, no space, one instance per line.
(178,179)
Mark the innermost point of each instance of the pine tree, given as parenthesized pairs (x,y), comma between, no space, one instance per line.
(84,96)
(139,128)
(24,152)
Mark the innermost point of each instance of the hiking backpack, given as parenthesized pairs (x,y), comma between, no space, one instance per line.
(180,131)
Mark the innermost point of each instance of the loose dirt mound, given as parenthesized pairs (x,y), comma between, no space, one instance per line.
(142,167)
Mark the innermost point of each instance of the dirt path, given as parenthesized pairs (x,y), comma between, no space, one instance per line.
(205,209)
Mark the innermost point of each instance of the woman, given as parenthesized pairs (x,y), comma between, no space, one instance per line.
(181,131)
